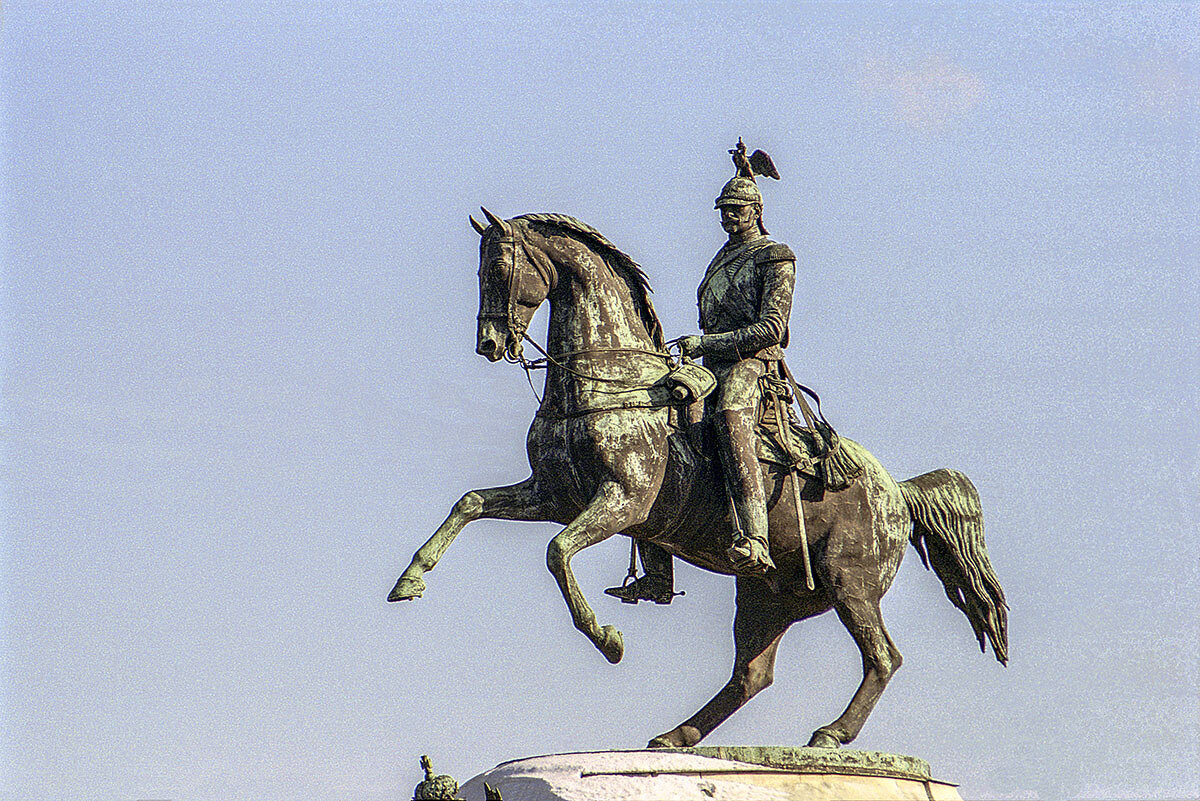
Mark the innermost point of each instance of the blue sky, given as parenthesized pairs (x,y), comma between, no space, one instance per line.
(240,386)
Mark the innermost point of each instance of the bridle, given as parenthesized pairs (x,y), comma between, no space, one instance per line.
(516,328)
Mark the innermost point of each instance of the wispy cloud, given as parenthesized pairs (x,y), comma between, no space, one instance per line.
(926,95)
(1164,87)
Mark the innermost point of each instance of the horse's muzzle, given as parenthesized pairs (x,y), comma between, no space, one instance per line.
(490,349)
(491,340)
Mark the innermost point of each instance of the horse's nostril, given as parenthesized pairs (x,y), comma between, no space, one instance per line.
(486,347)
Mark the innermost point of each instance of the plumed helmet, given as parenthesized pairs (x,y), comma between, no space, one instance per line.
(739,191)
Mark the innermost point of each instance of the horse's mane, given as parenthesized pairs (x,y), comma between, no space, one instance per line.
(628,269)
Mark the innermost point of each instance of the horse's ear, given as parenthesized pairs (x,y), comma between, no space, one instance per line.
(479,227)
(501,226)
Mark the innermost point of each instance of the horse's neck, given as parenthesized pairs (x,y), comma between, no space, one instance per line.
(595,330)
(592,309)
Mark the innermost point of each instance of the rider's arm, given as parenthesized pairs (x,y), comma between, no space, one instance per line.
(774,308)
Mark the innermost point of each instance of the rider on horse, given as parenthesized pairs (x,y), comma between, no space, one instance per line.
(745,300)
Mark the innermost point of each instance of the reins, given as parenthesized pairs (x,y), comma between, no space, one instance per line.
(547,360)
(544,364)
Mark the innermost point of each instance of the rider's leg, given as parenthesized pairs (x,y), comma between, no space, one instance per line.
(750,550)
(658,563)
(736,410)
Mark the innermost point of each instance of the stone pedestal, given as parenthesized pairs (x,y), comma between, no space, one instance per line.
(716,773)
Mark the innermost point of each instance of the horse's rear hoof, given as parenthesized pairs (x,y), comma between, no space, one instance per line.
(406,589)
(823,739)
(611,644)
(682,737)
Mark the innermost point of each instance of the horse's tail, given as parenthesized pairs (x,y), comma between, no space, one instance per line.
(948,534)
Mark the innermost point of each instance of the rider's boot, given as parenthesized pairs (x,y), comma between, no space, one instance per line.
(658,585)
(751,550)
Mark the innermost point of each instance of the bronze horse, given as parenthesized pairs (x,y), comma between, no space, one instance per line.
(607,458)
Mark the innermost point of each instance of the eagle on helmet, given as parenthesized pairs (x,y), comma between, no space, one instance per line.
(742,189)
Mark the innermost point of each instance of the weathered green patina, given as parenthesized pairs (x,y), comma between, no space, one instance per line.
(611,452)
(820,760)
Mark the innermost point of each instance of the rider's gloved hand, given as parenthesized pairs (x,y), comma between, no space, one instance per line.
(691,346)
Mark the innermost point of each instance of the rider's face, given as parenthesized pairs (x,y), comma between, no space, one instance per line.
(738,220)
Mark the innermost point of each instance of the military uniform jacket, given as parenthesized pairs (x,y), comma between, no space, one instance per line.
(745,300)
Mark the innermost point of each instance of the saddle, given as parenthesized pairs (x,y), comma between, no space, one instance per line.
(783,440)
(810,447)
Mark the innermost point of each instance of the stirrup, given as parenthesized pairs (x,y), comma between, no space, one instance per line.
(646,588)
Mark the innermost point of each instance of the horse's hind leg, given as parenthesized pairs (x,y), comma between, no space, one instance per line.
(758,626)
(514,502)
(880,662)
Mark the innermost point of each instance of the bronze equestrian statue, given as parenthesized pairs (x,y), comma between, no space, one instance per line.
(613,451)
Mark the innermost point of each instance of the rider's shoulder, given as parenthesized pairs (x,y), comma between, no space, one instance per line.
(775,251)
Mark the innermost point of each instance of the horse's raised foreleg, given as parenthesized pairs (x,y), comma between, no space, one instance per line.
(880,661)
(758,626)
(514,502)
(610,511)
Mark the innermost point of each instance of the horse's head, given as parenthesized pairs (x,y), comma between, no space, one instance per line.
(514,279)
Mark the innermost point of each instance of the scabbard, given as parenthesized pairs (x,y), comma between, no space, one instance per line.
(808,574)
(784,426)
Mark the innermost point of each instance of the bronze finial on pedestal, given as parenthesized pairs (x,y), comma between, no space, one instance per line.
(435,788)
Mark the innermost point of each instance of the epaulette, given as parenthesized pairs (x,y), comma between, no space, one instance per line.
(776,251)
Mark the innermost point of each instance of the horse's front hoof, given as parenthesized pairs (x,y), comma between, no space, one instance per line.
(407,588)
(611,644)
(661,741)
(823,739)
